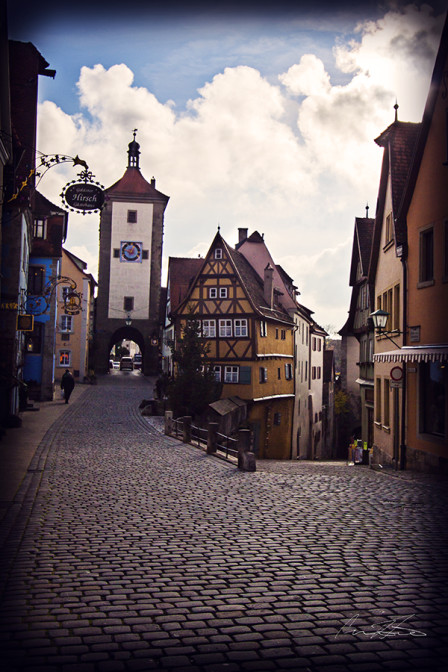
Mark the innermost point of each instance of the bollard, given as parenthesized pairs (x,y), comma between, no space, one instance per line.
(212,437)
(168,423)
(246,458)
(187,429)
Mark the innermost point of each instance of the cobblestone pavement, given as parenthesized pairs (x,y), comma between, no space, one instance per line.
(131,551)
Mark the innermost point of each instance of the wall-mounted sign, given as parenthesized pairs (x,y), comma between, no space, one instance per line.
(131,251)
(396,374)
(83,195)
(25,322)
(72,303)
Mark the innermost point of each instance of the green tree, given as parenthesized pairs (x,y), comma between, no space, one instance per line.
(194,386)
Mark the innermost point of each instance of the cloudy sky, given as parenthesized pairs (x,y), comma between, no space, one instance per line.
(247,117)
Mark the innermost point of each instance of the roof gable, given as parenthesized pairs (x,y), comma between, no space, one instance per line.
(134,184)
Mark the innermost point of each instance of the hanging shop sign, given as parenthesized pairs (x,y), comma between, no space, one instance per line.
(25,322)
(72,303)
(84,195)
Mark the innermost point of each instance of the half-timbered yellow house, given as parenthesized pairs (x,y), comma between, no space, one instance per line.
(251,342)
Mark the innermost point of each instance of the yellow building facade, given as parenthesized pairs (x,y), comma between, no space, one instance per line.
(251,343)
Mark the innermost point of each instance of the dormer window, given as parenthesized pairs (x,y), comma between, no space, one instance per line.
(39,228)
(218,253)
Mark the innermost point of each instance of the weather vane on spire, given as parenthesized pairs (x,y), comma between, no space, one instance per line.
(135,132)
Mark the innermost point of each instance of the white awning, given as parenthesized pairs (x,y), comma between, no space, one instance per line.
(416,353)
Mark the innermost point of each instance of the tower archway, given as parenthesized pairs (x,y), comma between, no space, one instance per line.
(130,266)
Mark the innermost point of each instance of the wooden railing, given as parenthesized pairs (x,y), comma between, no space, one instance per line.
(212,441)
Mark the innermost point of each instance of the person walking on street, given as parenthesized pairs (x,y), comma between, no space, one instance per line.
(67,384)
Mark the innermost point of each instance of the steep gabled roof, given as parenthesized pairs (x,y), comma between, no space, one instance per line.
(399,141)
(362,247)
(254,249)
(249,279)
(42,207)
(182,271)
(436,83)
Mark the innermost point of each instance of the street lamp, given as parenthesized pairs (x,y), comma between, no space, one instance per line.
(379,319)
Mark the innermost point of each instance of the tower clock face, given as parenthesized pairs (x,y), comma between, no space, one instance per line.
(131,251)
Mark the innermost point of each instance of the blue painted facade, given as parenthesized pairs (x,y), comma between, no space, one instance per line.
(34,361)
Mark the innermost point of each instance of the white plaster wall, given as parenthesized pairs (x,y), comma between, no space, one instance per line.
(126,278)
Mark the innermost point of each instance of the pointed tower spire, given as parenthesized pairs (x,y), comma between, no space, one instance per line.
(133,152)
(396,106)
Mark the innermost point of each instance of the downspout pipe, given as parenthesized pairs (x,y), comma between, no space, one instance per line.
(405,326)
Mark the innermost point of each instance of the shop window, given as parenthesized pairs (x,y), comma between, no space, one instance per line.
(386,403)
(433,377)
(378,400)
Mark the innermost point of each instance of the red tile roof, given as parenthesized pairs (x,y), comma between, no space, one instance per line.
(134,183)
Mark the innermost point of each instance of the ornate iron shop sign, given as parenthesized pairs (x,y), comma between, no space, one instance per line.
(39,304)
(83,195)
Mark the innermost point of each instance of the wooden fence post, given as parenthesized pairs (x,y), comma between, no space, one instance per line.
(186,429)
(246,458)
(212,437)
(168,422)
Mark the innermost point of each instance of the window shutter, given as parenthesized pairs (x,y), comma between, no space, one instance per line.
(245,375)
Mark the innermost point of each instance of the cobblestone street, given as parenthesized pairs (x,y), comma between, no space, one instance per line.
(131,551)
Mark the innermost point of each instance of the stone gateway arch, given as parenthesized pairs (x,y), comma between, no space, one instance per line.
(130,264)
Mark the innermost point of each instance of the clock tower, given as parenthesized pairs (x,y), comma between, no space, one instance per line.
(130,265)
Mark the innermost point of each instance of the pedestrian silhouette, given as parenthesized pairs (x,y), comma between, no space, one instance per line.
(67,384)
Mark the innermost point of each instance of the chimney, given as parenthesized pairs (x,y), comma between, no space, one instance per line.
(268,287)
(242,235)
(153,182)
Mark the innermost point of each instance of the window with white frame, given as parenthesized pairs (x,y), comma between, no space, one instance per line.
(263,328)
(217,372)
(65,357)
(218,253)
(240,327)
(223,292)
(225,328)
(231,374)
(66,323)
(212,292)
(288,371)
(209,328)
